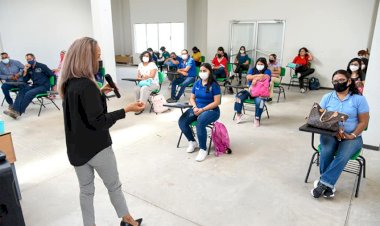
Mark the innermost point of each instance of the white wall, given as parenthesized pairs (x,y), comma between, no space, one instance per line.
(43,27)
(332,30)
(103,33)
(197,25)
(371,90)
(122,27)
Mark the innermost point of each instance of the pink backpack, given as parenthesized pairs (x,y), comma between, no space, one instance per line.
(260,89)
(220,138)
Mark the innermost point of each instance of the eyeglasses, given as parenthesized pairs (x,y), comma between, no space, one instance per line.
(334,82)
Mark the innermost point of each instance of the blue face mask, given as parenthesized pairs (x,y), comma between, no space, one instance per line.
(31,62)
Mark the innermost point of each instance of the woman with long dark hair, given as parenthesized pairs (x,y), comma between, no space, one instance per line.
(303,68)
(354,68)
(205,99)
(259,72)
(241,62)
(337,151)
(87,123)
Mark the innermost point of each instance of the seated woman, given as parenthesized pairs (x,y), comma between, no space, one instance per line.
(173,61)
(358,77)
(163,55)
(259,72)
(205,99)
(275,68)
(220,64)
(241,62)
(197,56)
(147,72)
(344,99)
(303,69)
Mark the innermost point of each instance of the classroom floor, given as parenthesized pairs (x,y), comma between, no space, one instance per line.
(261,183)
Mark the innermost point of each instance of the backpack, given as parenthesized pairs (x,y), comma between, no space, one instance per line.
(314,83)
(220,138)
(260,89)
(158,102)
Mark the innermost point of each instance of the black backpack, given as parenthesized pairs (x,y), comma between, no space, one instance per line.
(314,83)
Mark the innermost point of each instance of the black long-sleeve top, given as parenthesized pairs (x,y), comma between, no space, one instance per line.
(86,120)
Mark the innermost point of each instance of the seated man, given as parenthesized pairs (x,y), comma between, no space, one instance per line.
(40,75)
(188,73)
(11,71)
(173,61)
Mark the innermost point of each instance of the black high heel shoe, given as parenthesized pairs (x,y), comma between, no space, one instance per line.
(127,224)
(138,113)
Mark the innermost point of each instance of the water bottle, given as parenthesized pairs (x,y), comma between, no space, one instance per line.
(2,129)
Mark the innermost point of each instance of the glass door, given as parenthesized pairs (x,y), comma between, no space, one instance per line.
(242,34)
(270,39)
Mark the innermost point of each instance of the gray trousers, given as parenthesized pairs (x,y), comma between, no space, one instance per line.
(105,165)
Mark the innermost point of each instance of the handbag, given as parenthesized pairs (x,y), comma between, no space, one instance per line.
(323,119)
(260,89)
(146,82)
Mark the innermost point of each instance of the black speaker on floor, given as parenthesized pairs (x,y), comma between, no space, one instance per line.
(10,208)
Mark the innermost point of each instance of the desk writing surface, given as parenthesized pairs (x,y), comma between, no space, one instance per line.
(310,129)
(6,146)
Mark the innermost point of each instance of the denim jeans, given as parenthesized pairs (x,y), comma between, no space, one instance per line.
(6,87)
(220,72)
(185,81)
(26,95)
(244,95)
(331,167)
(204,119)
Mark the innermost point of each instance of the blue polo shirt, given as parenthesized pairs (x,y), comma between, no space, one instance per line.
(203,98)
(192,72)
(254,71)
(242,59)
(40,75)
(352,105)
(10,69)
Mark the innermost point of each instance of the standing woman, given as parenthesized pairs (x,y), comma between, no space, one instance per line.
(205,99)
(87,124)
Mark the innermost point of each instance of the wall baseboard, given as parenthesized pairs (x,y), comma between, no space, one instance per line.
(371,147)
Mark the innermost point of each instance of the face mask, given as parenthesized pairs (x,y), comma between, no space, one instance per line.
(354,67)
(260,67)
(5,61)
(145,59)
(203,75)
(160,51)
(184,57)
(363,66)
(242,51)
(355,79)
(100,64)
(340,87)
(271,61)
(219,55)
(31,62)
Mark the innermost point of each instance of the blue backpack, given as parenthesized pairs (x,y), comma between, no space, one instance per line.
(314,83)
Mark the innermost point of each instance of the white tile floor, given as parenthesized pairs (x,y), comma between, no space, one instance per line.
(261,183)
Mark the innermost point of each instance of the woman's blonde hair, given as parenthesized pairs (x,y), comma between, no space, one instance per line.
(81,61)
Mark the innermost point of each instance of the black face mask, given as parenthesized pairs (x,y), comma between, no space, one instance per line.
(219,55)
(100,64)
(271,61)
(340,87)
(355,79)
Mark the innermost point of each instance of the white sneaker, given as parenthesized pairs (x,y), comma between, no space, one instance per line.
(298,75)
(238,118)
(302,90)
(256,123)
(202,154)
(192,146)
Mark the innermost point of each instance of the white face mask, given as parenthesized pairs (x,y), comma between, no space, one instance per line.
(145,59)
(184,57)
(242,51)
(160,51)
(363,66)
(354,67)
(203,75)
(259,67)
(5,61)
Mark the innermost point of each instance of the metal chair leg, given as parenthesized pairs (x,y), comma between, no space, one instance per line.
(310,165)
(179,140)
(266,109)
(359,178)
(41,104)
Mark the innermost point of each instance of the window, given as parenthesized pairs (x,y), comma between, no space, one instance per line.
(170,35)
